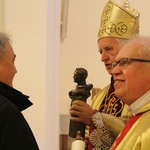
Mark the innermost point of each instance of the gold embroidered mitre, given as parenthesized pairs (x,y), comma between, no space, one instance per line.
(119,21)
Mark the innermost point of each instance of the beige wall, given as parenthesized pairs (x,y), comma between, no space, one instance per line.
(79,49)
(34,26)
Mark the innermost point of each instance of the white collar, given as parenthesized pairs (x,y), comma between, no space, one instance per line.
(134,107)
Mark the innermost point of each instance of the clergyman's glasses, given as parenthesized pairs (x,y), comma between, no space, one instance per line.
(125,61)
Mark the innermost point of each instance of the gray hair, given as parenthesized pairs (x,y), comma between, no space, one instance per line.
(4,40)
(145,53)
(144,43)
(122,42)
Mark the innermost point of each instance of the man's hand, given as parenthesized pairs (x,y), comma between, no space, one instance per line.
(82,110)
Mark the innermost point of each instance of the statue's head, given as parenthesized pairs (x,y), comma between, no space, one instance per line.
(80,75)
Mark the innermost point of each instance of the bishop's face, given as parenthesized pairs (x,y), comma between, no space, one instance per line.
(108,48)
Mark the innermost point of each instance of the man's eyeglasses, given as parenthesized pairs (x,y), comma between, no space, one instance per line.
(125,61)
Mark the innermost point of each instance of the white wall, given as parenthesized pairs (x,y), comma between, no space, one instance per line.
(34,26)
(79,49)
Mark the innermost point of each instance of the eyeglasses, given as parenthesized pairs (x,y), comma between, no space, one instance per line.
(125,61)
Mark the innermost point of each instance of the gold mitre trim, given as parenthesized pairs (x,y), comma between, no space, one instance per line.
(118,21)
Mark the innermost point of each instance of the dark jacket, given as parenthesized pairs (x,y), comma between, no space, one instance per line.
(15,133)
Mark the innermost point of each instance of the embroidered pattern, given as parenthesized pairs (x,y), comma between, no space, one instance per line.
(112,105)
(99,137)
(119,28)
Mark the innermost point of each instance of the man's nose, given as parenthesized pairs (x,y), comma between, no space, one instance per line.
(104,56)
(116,70)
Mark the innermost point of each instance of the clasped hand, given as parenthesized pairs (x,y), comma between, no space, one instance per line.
(82,110)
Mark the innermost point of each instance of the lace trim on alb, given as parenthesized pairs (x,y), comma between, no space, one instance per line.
(99,137)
